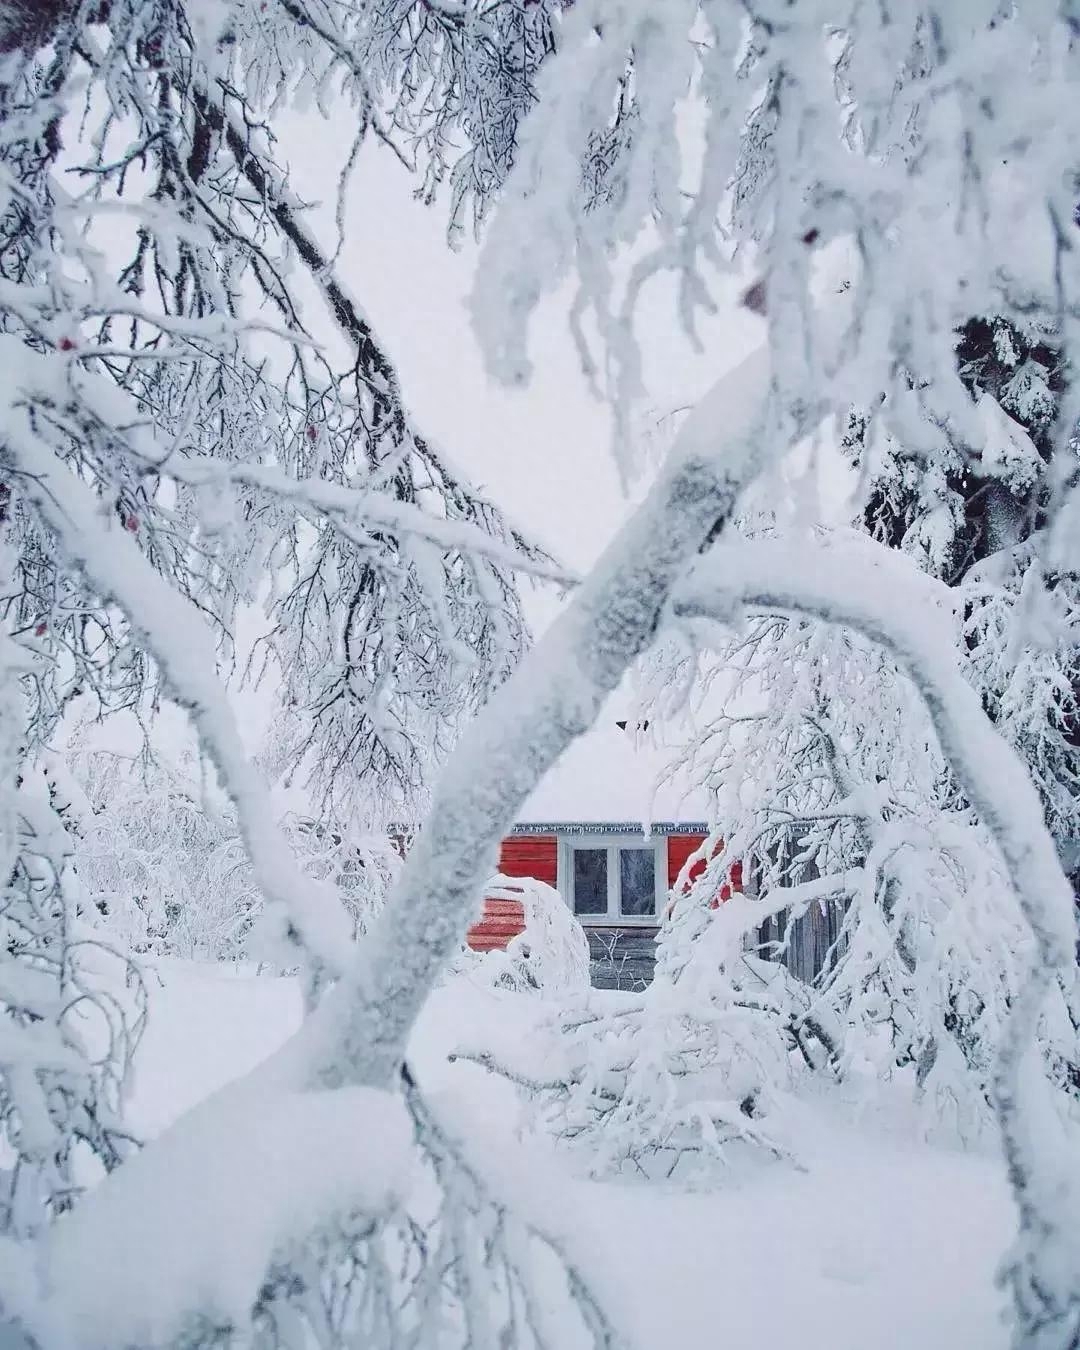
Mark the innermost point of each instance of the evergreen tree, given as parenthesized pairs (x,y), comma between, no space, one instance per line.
(975,517)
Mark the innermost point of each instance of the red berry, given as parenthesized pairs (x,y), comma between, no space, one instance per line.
(39,631)
(66,345)
(311,433)
(131,524)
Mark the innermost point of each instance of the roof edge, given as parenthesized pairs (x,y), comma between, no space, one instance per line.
(611,827)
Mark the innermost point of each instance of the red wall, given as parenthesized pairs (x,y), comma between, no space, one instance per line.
(530,855)
(679,848)
(500,921)
(520,855)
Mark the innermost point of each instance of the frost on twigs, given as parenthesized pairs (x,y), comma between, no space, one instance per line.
(162,858)
(229,438)
(511,1275)
(66,1040)
(898,149)
(66,1036)
(392,609)
(872,876)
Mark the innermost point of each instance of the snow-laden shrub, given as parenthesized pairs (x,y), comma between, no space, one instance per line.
(71,1009)
(832,790)
(163,864)
(667,1081)
(550,956)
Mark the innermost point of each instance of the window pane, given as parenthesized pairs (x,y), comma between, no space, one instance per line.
(637,881)
(590,880)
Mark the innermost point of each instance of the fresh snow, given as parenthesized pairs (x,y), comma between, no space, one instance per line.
(612,775)
(120,1272)
(883,1240)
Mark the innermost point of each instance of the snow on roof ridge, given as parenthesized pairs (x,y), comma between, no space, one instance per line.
(608,775)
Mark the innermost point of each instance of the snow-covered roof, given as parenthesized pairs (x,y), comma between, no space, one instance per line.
(609,776)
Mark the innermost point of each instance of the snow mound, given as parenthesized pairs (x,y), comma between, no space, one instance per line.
(196,1220)
(551,955)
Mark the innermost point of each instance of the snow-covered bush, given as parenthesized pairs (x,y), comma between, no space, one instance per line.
(669,1082)
(549,956)
(676,1079)
(66,1037)
(166,872)
(831,788)
(163,864)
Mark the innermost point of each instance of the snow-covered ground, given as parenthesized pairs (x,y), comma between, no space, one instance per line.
(883,1241)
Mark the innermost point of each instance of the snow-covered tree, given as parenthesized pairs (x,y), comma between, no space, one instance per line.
(877,165)
(872,160)
(977,520)
(163,868)
(866,858)
(198,417)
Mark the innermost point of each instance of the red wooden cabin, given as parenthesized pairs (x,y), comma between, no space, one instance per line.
(582,832)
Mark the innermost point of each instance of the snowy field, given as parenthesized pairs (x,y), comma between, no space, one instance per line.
(884,1242)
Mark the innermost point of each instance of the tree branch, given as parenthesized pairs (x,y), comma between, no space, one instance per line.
(171,630)
(880,594)
(555,694)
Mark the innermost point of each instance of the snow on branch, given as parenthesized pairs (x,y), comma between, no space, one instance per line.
(739,915)
(156,274)
(356,1035)
(365,511)
(553,697)
(879,593)
(315,1160)
(174,633)
(896,138)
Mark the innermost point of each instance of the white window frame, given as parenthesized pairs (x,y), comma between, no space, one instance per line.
(612,843)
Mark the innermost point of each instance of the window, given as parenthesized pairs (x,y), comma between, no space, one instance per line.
(590,880)
(637,881)
(613,881)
